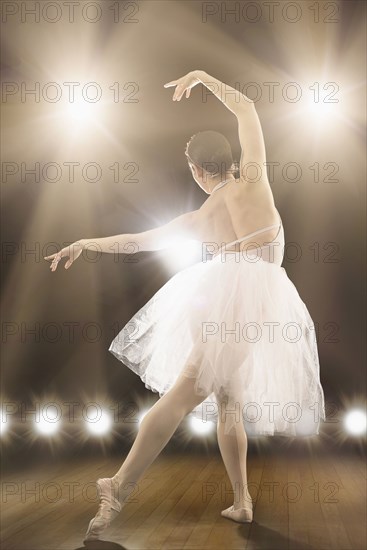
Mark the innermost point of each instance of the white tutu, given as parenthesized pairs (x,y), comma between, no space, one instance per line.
(238,325)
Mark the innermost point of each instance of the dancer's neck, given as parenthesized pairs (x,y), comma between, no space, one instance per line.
(221,184)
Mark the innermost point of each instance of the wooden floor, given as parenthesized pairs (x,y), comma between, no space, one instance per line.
(301,503)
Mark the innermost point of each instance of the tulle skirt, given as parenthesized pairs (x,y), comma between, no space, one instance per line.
(238,327)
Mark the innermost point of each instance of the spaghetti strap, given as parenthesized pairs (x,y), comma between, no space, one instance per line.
(262,230)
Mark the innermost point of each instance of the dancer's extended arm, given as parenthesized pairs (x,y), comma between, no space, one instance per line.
(183,227)
(249,127)
(180,228)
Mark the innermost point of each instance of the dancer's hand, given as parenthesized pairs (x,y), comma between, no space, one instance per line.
(183,84)
(72,252)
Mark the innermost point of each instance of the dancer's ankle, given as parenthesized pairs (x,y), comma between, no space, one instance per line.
(122,489)
(245,502)
(115,480)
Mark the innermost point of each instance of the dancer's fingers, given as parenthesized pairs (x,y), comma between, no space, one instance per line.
(179,92)
(188,92)
(175,95)
(55,262)
(53,256)
(184,92)
(172,83)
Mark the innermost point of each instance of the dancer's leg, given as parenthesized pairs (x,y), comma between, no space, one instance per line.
(156,429)
(242,445)
(233,448)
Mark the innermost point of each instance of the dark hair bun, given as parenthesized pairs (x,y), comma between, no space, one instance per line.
(211,151)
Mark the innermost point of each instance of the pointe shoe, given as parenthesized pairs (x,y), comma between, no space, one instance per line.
(109,508)
(241,515)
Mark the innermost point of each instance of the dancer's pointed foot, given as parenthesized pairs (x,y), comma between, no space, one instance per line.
(242,515)
(109,508)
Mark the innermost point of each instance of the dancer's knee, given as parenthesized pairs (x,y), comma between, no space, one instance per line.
(174,405)
(184,395)
(222,402)
(162,415)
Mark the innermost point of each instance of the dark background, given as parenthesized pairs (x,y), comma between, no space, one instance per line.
(168,40)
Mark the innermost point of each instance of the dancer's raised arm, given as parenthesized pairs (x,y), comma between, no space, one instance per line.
(185,226)
(249,128)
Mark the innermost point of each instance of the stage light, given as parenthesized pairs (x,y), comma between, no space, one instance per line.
(320,110)
(355,422)
(101,425)
(80,111)
(200,427)
(183,253)
(3,423)
(49,425)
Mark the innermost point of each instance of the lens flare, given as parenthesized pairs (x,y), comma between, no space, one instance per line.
(355,422)
(99,425)
(200,427)
(4,423)
(48,424)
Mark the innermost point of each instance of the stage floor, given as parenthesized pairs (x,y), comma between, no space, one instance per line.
(301,501)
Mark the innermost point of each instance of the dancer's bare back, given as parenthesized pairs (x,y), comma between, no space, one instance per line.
(235,210)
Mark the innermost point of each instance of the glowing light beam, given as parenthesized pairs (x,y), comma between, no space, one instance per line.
(355,422)
(101,425)
(200,427)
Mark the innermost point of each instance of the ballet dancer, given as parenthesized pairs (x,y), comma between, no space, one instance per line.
(175,349)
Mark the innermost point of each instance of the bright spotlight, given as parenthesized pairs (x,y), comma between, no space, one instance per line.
(3,423)
(80,112)
(199,426)
(101,424)
(49,425)
(183,253)
(320,110)
(355,422)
